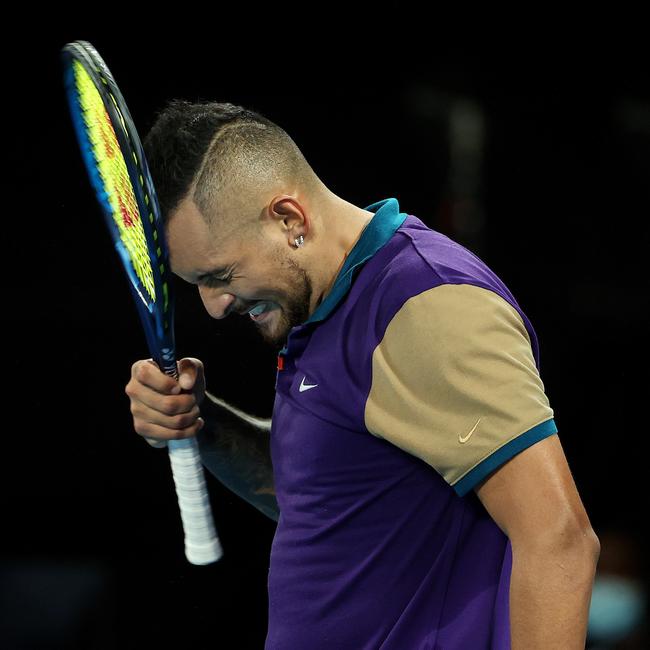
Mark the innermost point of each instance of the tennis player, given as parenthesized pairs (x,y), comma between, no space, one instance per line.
(412,460)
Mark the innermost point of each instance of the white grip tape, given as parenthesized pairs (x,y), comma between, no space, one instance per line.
(202,545)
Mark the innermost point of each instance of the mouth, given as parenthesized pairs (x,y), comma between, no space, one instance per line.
(261,310)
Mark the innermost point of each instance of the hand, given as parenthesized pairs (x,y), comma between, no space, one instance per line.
(162,408)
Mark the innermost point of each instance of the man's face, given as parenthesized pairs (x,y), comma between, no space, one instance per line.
(259,271)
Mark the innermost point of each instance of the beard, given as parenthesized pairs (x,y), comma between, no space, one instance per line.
(293,312)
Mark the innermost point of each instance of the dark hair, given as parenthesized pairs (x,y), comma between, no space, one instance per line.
(192,146)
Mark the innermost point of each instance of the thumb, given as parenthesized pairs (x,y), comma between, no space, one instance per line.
(189,371)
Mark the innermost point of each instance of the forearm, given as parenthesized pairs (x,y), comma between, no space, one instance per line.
(550,591)
(235,447)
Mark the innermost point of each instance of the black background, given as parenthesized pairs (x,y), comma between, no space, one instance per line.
(92,551)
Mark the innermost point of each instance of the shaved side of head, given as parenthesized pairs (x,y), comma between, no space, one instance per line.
(229,160)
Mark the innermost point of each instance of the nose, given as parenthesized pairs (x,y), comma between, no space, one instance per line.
(217,302)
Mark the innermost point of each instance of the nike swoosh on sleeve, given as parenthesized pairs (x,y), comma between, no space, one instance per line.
(464,439)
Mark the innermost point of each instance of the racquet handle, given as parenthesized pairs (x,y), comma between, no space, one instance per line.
(202,545)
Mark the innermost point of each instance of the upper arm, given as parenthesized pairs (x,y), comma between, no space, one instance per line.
(454,382)
(533,498)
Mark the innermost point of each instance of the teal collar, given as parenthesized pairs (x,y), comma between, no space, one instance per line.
(379,230)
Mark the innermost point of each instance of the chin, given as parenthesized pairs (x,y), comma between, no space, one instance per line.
(274,333)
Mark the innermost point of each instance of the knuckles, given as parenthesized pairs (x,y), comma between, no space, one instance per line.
(175,404)
(139,370)
(185,420)
(141,427)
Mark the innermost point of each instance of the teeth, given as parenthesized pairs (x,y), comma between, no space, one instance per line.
(258,309)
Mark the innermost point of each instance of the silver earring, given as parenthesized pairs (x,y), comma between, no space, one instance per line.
(299,241)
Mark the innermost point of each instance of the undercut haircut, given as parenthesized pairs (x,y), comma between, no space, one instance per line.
(208,151)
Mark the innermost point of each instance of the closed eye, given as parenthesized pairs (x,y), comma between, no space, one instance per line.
(212,281)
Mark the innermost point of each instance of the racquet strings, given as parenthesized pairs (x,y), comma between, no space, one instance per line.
(112,174)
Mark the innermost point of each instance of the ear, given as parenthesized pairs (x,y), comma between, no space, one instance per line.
(290,215)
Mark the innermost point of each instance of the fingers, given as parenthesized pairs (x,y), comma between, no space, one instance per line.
(161,409)
(190,373)
(148,373)
(164,403)
(151,431)
(171,418)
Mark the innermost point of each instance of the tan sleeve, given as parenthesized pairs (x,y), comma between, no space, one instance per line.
(454,382)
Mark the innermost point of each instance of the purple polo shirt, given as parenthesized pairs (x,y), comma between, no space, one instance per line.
(414,379)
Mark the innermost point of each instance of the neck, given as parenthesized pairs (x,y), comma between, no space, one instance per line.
(350,223)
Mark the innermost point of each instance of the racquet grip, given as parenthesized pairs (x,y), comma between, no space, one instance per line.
(202,546)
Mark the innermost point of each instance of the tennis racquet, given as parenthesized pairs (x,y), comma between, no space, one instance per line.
(114,158)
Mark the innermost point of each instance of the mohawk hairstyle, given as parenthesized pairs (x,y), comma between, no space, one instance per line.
(197,149)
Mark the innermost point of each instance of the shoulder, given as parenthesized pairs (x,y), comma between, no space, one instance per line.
(421,271)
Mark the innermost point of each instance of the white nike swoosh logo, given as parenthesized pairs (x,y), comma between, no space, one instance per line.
(464,439)
(304,387)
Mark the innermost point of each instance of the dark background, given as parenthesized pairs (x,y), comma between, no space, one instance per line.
(536,158)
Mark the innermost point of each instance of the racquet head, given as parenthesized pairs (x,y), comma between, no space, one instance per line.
(118,171)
